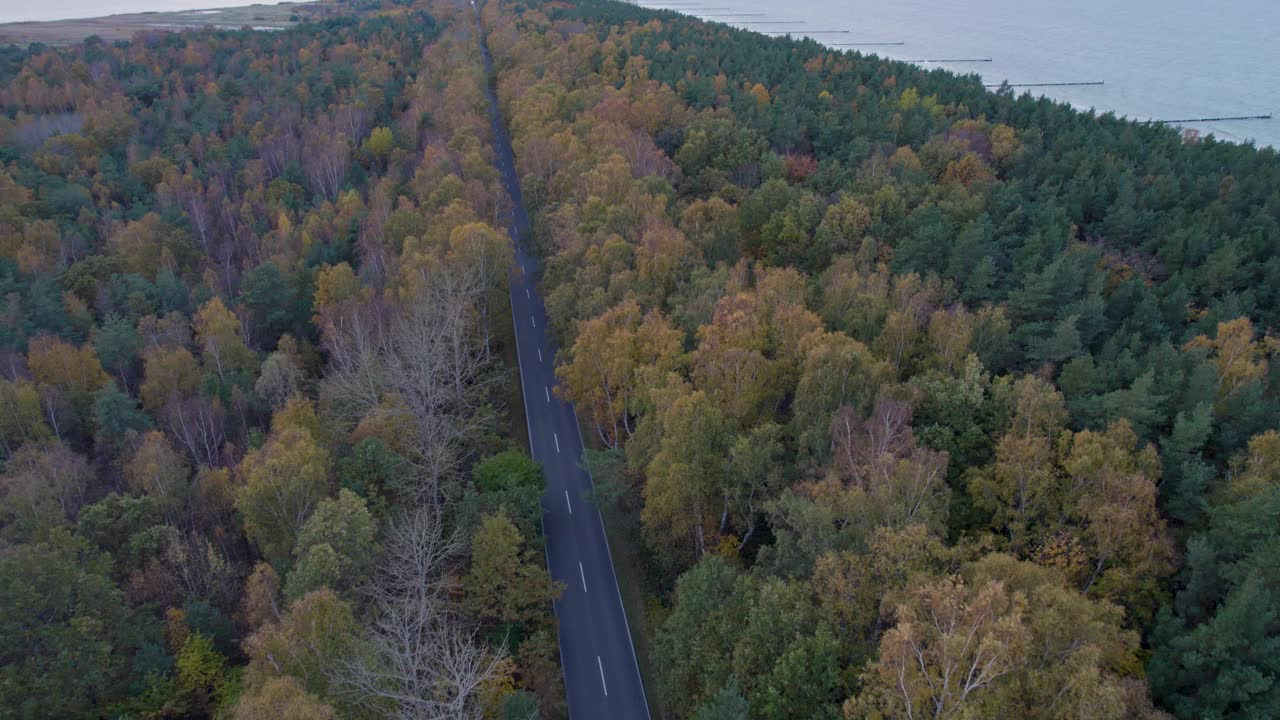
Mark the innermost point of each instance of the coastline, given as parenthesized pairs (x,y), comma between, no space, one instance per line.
(1152,81)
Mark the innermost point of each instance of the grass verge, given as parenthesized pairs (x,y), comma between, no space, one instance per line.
(626,545)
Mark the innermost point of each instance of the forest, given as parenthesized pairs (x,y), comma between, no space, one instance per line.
(913,399)
(926,399)
(258,457)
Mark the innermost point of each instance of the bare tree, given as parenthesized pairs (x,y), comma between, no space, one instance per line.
(375,257)
(352,121)
(326,157)
(421,660)
(951,643)
(198,423)
(196,202)
(889,478)
(43,482)
(858,443)
(281,146)
(198,569)
(428,370)
(423,366)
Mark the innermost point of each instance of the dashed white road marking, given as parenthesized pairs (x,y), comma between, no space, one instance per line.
(583,575)
(603,684)
(533,320)
(556,437)
(539,354)
(566,502)
(547,390)
(526,293)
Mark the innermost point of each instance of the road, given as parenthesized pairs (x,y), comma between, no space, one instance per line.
(601,676)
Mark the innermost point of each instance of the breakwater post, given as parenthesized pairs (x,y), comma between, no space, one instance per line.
(1046,84)
(1210,119)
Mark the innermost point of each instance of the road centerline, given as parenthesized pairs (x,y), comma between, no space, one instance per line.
(603,684)
(583,574)
(569,504)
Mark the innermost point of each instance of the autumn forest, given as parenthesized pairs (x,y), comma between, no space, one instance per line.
(902,397)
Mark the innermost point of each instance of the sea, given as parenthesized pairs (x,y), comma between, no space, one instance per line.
(1165,60)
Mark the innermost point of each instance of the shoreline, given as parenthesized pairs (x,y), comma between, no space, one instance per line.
(204,9)
(1206,128)
(887,42)
(265,17)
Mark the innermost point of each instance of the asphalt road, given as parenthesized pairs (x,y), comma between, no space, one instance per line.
(602,679)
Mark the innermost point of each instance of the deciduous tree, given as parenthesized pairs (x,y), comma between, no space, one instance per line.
(684,494)
(169,372)
(157,470)
(282,483)
(879,475)
(73,370)
(281,698)
(506,583)
(838,371)
(336,547)
(952,640)
(221,344)
(602,372)
(312,642)
(44,485)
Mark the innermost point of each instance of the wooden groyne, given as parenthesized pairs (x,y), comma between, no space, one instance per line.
(1049,84)
(1210,119)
